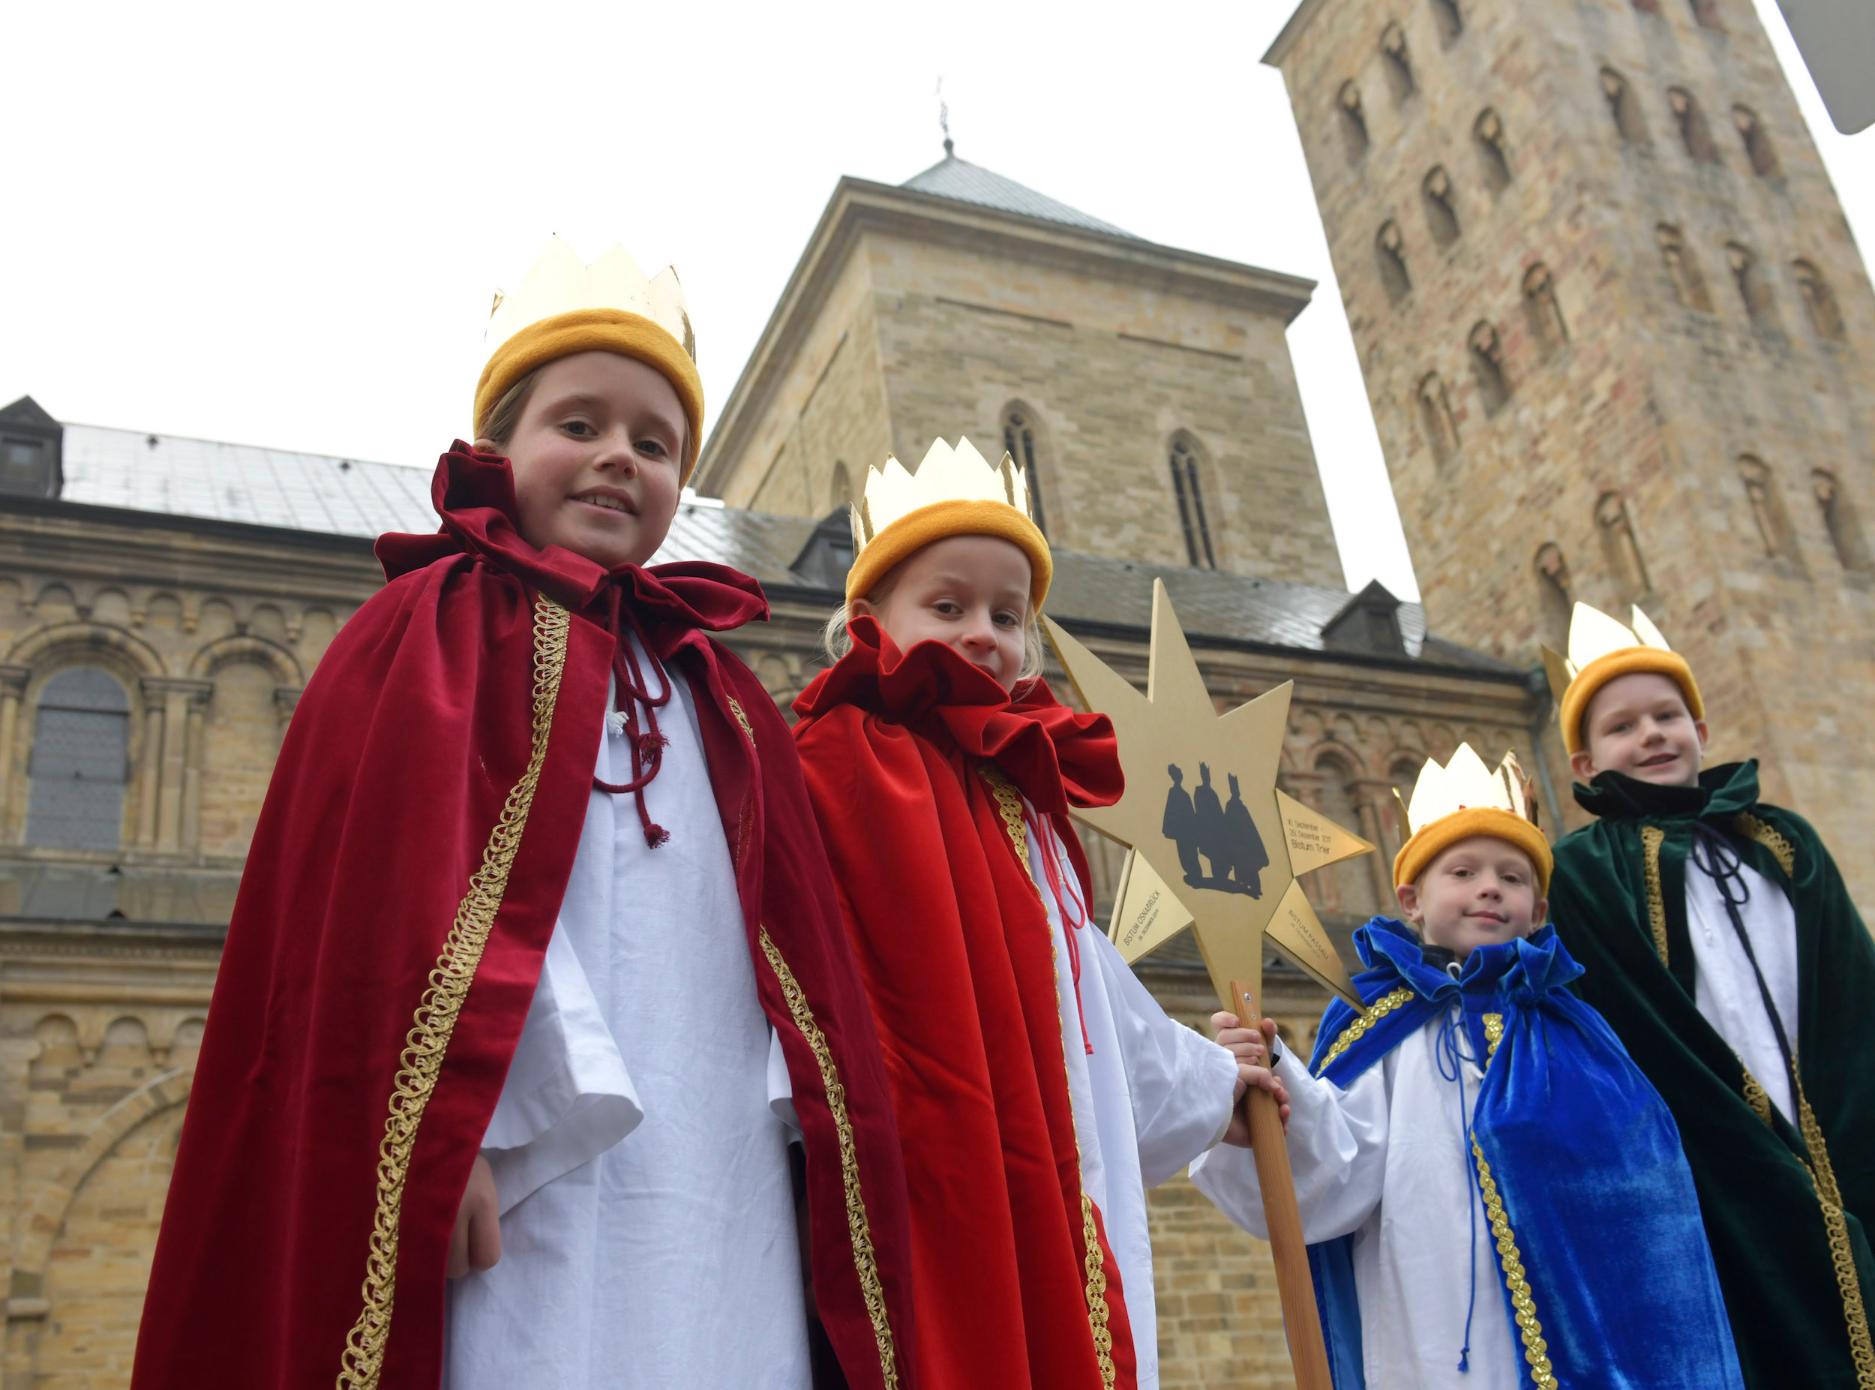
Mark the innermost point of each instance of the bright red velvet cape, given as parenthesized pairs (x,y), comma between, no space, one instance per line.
(956,951)
(400,757)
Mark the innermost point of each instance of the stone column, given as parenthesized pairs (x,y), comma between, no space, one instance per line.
(173,728)
(12,697)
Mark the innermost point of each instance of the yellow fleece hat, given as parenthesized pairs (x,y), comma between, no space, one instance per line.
(955,492)
(1465,798)
(1602,648)
(566,306)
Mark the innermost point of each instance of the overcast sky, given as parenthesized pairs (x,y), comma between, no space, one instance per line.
(285,229)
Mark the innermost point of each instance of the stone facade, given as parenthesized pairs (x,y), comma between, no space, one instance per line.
(912,316)
(1620,347)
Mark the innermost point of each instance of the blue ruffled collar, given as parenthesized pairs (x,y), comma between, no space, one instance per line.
(1527,968)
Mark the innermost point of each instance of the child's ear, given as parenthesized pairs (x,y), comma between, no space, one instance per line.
(1582,763)
(1408,894)
(860,608)
(1539,914)
(1699,727)
(488,446)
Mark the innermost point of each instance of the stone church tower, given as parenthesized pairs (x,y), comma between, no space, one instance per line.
(1148,389)
(1620,346)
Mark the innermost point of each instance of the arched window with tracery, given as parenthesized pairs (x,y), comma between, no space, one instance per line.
(1839,519)
(1767,508)
(1555,599)
(1630,125)
(1441,207)
(80,764)
(1753,290)
(1395,60)
(1390,252)
(1621,546)
(1487,135)
(1188,489)
(1541,311)
(1689,286)
(1019,443)
(1695,134)
(1435,416)
(1819,302)
(1487,366)
(1352,119)
(1757,142)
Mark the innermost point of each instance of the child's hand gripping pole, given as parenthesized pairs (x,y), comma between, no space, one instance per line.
(1294,1285)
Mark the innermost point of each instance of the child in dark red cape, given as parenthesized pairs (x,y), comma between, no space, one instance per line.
(536,910)
(1038,1087)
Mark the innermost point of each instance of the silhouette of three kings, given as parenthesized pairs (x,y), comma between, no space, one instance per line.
(1222,836)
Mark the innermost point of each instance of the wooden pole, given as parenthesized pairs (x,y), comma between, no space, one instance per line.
(1294,1286)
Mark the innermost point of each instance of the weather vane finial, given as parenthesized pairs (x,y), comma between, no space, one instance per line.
(944,117)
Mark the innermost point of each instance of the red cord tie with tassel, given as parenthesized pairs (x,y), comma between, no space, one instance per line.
(1073,910)
(647,742)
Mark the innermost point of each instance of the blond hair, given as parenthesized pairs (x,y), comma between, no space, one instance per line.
(503,418)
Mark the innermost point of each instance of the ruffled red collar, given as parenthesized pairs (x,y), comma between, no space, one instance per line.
(1055,756)
(474,495)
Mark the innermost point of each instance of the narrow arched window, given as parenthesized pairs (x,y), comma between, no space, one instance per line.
(1767,508)
(1818,300)
(1188,488)
(1487,137)
(1695,134)
(1395,60)
(1752,289)
(1390,252)
(1706,14)
(1019,444)
(1839,519)
(1620,545)
(1445,14)
(1441,211)
(1622,106)
(1757,142)
(80,762)
(1555,599)
(1540,309)
(1435,416)
(1352,120)
(1689,286)
(1487,366)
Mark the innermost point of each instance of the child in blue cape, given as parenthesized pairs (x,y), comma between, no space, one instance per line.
(1494,1196)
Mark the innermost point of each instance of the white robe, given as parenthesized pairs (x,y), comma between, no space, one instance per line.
(1386,1161)
(640,1142)
(1150,1098)
(1725,988)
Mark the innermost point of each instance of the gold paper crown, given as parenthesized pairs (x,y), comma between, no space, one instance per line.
(565,306)
(955,492)
(1465,798)
(1601,648)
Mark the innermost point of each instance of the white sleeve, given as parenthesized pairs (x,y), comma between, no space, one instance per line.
(1181,1082)
(568,1097)
(1337,1151)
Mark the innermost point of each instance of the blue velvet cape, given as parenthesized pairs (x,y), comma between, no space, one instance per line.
(1614,1281)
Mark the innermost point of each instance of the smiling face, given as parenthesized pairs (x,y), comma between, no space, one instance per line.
(969,592)
(1638,724)
(1479,891)
(596,457)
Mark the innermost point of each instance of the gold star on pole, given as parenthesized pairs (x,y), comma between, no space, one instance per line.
(1225,867)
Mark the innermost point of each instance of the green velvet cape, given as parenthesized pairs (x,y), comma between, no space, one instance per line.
(1787,1207)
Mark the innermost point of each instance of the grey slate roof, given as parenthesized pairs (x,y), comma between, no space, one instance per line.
(965,182)
(175,476)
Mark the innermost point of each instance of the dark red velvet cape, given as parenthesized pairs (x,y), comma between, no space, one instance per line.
(955,948)
(453,724)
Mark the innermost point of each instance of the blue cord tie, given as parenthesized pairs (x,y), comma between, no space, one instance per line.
(1451,1056)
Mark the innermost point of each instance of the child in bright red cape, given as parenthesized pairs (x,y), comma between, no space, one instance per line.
(536,910)
(1038,1087)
